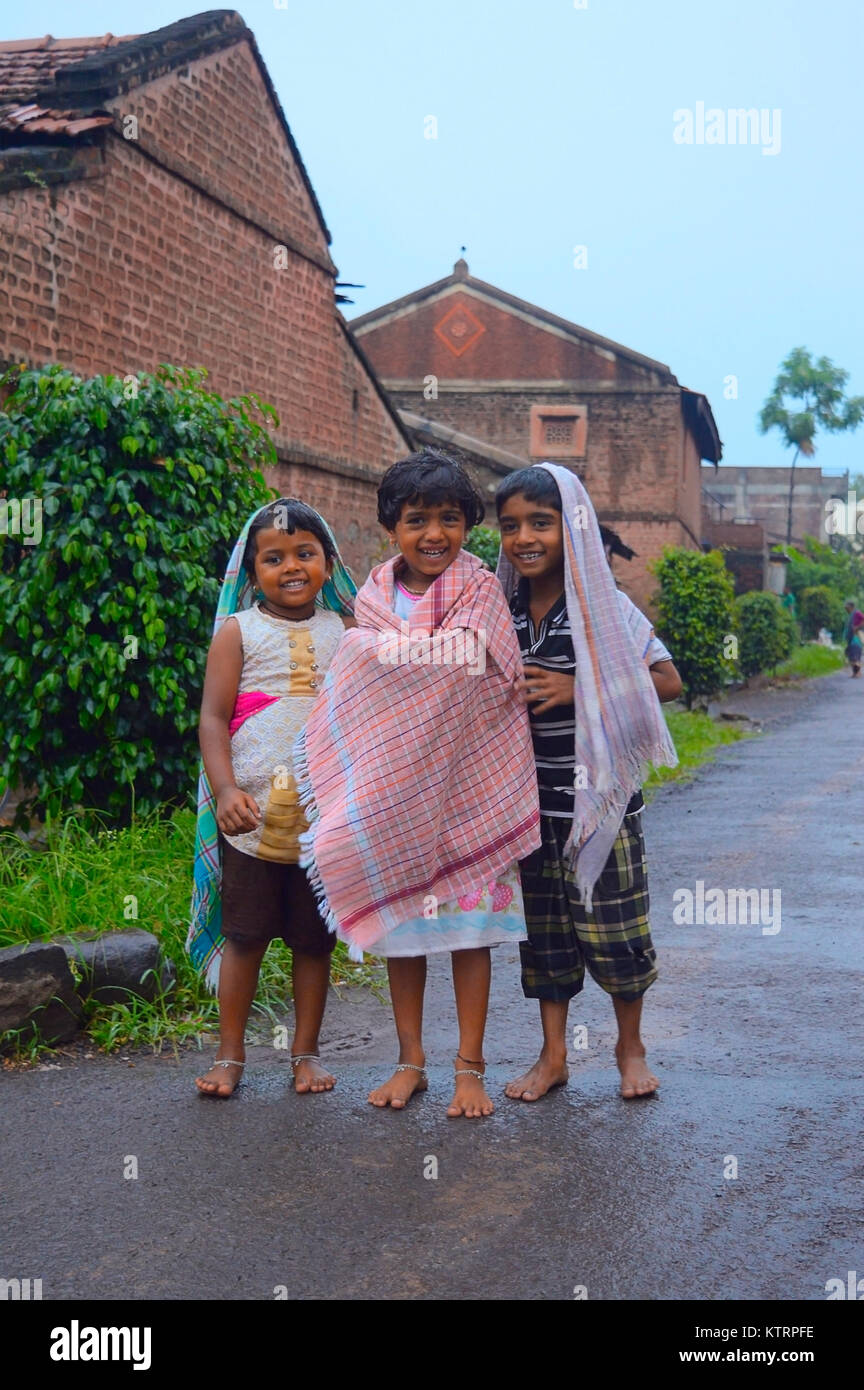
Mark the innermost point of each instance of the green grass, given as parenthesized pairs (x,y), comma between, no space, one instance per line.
(696,737)
(812,660)
(83,877)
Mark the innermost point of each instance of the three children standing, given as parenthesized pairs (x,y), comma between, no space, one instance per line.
(420,839)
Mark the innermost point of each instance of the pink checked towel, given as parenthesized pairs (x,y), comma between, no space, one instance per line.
(417,775)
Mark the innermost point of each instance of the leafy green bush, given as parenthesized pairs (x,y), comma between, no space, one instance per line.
(144,484)
(821,606)
(790,633)
(816,564)
(767,632)
(484,542)
(696,617)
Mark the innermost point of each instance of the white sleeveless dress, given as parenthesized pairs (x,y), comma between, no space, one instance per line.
(284,663)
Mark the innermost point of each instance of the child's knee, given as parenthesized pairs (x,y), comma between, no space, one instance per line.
(249,948)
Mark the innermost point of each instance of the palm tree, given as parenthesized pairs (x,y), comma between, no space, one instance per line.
(819,386)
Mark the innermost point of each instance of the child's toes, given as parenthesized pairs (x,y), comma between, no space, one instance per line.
(220,1080)
(309,1075)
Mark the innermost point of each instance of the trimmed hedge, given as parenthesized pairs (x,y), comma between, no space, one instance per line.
(821,606)
(767,632)
(696,617)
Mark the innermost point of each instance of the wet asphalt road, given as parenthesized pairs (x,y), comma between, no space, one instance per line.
(756,1039)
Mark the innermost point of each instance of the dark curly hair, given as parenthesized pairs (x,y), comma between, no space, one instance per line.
(429,477)
(285,514)
(535,484)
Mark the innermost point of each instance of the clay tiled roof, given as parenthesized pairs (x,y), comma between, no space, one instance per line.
(26,65)
(34,119)
(54,86)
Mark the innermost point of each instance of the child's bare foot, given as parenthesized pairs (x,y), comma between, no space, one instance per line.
(310,1075)
(221,1080)
(469,1097)
(546,1073)
(406,1079)
(636,1079)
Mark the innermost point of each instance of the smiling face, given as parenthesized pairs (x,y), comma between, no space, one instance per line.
(532,537)
(290,569)
(430,537)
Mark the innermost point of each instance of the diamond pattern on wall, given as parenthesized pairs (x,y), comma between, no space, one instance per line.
(459,329)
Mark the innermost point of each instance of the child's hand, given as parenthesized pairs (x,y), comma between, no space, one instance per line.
(236,811)
(544,689)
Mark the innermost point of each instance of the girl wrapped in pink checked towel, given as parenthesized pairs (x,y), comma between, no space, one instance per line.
(417,773)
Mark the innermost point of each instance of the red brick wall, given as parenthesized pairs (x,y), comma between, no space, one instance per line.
(217,126)
(690,482)
(136,267)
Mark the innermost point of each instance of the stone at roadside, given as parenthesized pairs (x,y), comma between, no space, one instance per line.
(117,964)
(37,988)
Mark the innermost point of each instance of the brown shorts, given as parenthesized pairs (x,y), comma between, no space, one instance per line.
(262,901)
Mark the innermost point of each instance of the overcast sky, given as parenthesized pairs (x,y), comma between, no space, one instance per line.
(556,129)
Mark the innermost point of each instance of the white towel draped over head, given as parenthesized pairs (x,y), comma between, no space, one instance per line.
(620,729)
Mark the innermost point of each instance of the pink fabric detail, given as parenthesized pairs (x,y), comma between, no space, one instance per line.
(458,745)
(247,704)
(502,896)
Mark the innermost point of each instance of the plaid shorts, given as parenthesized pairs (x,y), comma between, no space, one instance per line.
(613,940)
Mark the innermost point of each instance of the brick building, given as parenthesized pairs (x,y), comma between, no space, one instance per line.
(738,495)
(469,364)
(745,551)
(154,207)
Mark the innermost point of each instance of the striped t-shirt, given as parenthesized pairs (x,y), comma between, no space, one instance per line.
(554,731)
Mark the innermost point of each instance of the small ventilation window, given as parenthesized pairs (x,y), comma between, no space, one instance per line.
(559,431)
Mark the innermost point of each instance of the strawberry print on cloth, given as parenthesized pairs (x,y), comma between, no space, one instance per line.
(486,916)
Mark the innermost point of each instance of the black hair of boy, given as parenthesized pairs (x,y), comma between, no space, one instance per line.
(430,477)
(285,514)
(534,484)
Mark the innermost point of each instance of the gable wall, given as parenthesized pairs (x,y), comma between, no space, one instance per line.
(217,125)
(510,348)
(136,267)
